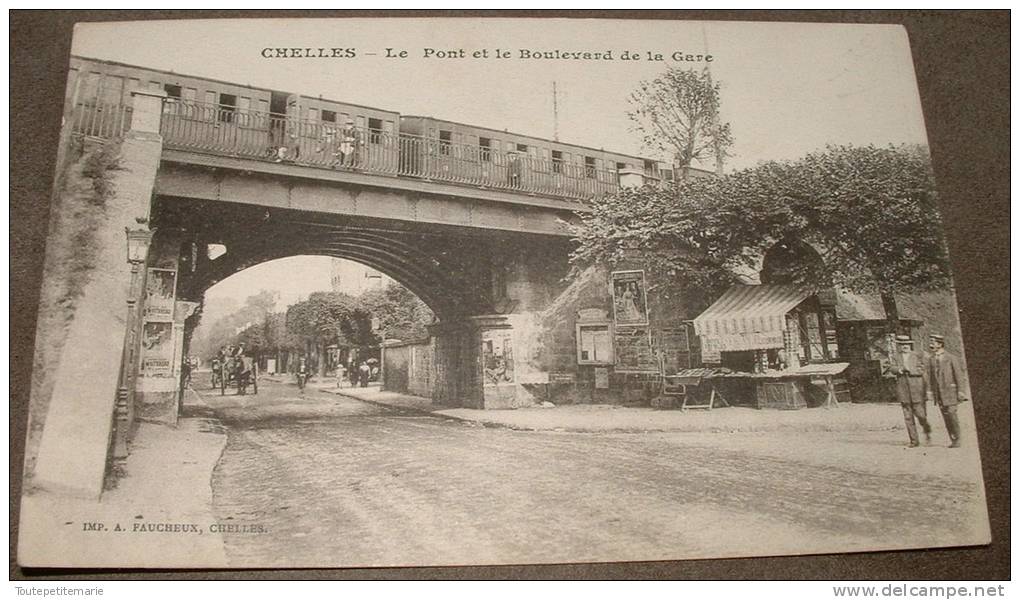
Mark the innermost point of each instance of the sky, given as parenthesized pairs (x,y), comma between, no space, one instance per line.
(787,88)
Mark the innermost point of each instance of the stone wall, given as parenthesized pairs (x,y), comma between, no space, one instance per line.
(555,345)
(75,438)
(407,368)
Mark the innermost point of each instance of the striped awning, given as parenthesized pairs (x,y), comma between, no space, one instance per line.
(747,317)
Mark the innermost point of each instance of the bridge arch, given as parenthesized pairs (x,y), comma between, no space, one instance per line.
(451,274)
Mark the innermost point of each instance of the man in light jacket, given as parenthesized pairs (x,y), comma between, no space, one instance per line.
(908,368)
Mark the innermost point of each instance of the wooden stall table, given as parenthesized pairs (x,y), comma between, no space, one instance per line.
(676,384)
(788,389)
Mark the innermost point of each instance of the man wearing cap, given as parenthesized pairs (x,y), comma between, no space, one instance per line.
(942,385)
(908,369)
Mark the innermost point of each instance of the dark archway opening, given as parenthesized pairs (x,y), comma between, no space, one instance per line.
(793,261)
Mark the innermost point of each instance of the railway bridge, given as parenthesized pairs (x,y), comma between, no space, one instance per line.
(483,251)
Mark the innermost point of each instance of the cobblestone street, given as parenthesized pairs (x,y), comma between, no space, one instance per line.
(333,481)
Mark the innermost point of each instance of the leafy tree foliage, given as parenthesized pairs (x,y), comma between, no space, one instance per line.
(331,318)
(268,337)
(401,314)
(224,330)
(678,113)
(871,212)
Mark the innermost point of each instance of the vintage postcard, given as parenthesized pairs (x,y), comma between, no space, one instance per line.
(399,292)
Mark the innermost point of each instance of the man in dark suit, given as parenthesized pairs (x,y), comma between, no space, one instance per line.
(942,385)
(908,369)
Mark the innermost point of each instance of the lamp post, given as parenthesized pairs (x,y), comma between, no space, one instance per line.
(138,241)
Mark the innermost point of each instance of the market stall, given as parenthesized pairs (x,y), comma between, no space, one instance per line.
(775,346)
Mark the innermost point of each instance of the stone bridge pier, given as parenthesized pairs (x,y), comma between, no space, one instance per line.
(89,408)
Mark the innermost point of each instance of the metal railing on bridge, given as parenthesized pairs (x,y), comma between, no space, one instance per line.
(227,131)
(97,120)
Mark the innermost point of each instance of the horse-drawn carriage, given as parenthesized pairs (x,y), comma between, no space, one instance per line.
(238,372)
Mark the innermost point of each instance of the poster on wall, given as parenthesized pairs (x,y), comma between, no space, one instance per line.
(157,348)
(159,294)
(497,356)
(634,353)
(674,347)
(630,306)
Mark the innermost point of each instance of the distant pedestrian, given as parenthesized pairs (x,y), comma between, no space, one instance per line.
(364,372)
(942,386)
(908,368)
(341,372)
(513,169)
(302,374)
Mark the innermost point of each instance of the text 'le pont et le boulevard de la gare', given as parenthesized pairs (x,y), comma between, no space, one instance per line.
(489,53)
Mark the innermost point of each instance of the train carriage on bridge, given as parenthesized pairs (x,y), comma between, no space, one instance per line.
(228,119)
(459,152)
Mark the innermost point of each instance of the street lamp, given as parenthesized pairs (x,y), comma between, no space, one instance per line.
(138,241)
(137,245)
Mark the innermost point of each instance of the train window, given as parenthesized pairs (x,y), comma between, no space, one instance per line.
(328,116)
(344,117)
(360,122)
(485,148)
(621,166)
(173,93)
(263,106)
(210,97)
(522,148)
(589,166)
(313,114)
(153,85)
(649,167)
(228,106)
(557,161)
(445,138)
(374,130)
(188,94)
(244,110)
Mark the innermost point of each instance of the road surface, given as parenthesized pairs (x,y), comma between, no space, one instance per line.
(316,479)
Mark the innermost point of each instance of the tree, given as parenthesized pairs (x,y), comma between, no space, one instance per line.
(870,211)
(873,213)
(224,330)
(678,113)
(331,318)
(401,315)
(700,235)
